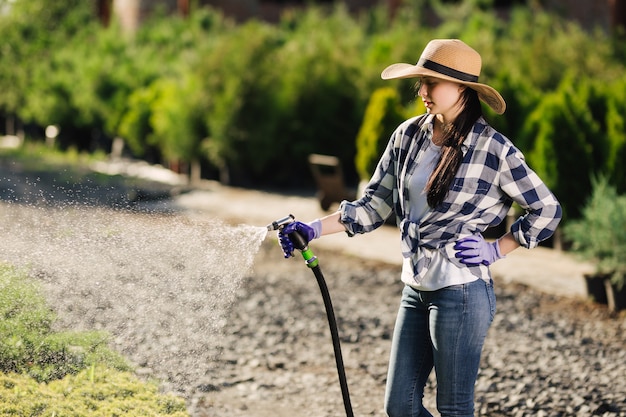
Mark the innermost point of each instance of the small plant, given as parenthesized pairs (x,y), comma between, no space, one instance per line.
(29,346)
(95,392)
(64,373)
(383,114)
(600,234)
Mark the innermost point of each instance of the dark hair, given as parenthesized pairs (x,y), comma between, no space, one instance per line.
(451,155)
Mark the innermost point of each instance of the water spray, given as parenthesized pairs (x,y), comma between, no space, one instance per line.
(312,262)
(163,302)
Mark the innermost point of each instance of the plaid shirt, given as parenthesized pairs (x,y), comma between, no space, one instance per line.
(492,175)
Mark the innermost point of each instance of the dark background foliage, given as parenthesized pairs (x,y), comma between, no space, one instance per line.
(247,102)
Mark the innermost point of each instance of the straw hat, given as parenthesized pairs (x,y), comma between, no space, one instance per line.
(452,60)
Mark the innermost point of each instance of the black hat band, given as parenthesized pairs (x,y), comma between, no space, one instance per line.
(450,72)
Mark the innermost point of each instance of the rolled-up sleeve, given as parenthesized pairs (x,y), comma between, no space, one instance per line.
(523,185)
(372,210)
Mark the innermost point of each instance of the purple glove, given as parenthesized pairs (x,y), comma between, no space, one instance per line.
(308,232)
(474,250)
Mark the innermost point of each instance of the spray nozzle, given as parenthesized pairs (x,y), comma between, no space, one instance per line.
(280,223)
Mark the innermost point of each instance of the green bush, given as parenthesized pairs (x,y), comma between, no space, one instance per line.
(238,95)
(94,392)
(27,343)
(256,99)
(539,47)
(315,101)
(600,235)
(382,115)
(574,133)
(46,373)
(135,126)
(563,138)
(29,32)
(615,128)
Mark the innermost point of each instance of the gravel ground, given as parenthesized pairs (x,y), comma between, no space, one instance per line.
(260,346)
(544,356)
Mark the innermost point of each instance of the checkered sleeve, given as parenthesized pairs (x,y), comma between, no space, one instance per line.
(376,205)
(542,210)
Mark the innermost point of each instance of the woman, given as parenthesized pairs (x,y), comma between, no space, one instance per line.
(448,176)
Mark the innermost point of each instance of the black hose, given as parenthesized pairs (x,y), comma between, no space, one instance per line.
(332,323)
(313,264)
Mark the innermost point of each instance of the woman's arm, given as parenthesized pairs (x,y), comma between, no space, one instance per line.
(543,211)
(331,224)
(507,244)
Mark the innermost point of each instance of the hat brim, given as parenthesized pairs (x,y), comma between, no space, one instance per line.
(487,94)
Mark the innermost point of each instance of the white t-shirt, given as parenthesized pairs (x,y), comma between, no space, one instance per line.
(441,272)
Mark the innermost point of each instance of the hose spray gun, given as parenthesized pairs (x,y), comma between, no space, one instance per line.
(280,223)
(297,239)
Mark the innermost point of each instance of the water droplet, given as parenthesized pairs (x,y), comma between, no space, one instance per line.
(161,285)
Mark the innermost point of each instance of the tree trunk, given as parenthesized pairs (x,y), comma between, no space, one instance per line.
(195,174)
(183,7)
(224,174)
(618,15)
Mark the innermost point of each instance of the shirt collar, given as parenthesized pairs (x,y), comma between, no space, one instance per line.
(427,128)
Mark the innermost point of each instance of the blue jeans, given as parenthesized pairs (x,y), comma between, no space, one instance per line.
(444,329)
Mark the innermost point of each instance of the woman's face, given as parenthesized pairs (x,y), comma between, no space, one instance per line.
(441,97)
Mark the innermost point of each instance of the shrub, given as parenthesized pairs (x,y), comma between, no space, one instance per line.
(94,392)
(30,30)
(28,344)
(68,373)
(237,97)
(566,143)
(574,133)
(314,80)
(135,125)
(615,94)
(175,121)
(382,115)
(600,235)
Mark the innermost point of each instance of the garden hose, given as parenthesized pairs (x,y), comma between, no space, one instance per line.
(313,263)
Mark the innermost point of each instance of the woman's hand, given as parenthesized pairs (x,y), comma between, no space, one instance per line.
(308,232)
(474,250)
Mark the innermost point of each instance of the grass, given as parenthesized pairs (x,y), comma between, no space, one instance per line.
(50,373)
(58,176)
(32,154)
